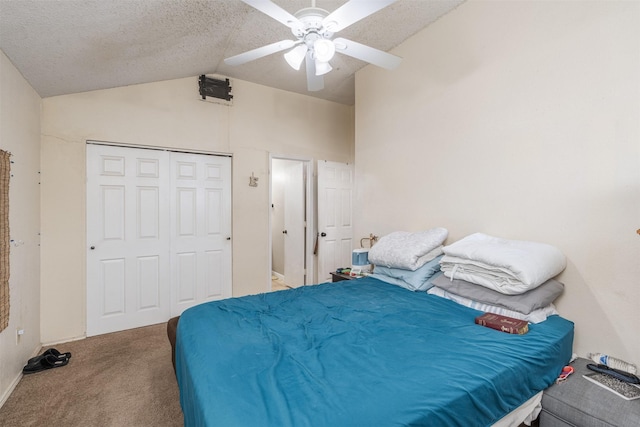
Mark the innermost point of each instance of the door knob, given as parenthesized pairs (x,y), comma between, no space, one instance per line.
(228,238)
(323,234)
(284,231)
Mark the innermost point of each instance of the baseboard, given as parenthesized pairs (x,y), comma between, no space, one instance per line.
(64,340)
(16,381)
(9,390)
(278,275)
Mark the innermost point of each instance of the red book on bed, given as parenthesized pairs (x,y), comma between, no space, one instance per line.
(503,323)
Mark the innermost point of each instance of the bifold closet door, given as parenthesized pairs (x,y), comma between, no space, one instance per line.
(200,229)
(128,253)
(158,234)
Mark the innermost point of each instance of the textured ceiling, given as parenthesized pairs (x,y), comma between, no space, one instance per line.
(71,46)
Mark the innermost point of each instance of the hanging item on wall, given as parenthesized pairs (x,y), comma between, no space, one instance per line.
(253,180)
(5,174)
(214,88)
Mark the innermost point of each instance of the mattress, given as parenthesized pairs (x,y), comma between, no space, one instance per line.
(357,353)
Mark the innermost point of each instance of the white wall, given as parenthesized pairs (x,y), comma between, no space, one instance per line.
(520,119)
(171,114)
(20,135)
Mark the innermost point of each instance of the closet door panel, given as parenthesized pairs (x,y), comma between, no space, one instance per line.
(128,263)
(201,202)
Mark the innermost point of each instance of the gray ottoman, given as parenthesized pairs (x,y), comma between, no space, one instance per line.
(580,403)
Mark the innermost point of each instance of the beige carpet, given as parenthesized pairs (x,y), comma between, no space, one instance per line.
(278,284)
(119,379)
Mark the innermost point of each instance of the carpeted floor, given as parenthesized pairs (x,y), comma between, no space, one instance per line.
(119,379)
(278,284)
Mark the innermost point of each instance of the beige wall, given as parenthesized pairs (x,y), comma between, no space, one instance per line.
(171,114)
(520,119)
(20,135)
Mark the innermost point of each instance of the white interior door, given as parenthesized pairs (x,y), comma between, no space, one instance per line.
(200,229)
(294,224)
(335,226)
(128,248)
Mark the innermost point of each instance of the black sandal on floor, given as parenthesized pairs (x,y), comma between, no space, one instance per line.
(47,361)
(52,352)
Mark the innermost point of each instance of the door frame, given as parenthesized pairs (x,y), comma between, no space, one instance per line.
(310,233)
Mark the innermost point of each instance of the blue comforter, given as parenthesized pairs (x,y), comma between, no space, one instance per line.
(357,353)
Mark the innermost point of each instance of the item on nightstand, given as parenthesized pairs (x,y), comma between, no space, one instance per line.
(625,390)
(360,262)
(566,371)
(612,362)
(615,373)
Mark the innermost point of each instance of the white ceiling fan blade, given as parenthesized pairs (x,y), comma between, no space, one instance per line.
(367,53)
(276,12)
(351,12)
(314,83)
(259,52)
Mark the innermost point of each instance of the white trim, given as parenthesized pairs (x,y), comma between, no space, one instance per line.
(10,389)
(66,340)
(153,147)
(16,381)
(277,275)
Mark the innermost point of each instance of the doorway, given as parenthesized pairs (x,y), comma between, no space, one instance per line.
(291,225)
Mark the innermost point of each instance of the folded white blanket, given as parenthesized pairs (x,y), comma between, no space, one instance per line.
(409,251)
(511,267)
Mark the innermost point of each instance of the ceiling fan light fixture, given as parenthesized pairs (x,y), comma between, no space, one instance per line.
(314,29)
(296,55)
(322,67)
(324,50)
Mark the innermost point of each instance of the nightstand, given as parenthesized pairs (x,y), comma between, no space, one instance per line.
(339,277)
(579,402)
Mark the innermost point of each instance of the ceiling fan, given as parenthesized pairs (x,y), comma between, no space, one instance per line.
(314,29)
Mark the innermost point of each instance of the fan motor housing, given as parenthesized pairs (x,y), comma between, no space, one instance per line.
(312,18)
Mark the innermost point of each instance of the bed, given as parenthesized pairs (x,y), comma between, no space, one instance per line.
(358,353)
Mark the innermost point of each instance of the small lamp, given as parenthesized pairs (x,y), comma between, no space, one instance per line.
(324,49)
(322,67)
(296,55)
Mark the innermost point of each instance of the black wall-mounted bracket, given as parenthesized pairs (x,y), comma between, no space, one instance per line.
(214,88)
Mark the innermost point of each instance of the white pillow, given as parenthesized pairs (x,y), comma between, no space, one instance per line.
(507,266)
(409,251)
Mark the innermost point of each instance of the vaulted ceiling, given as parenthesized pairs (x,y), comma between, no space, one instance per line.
(72,46)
